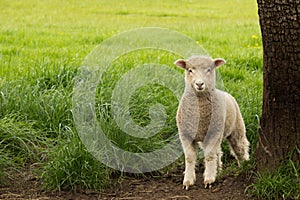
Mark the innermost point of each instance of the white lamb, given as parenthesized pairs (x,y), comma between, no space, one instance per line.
(205,117)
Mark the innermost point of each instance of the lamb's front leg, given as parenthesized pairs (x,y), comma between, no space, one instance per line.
(190,153)
(210,172)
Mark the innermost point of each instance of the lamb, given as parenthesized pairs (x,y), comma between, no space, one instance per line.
(205,117)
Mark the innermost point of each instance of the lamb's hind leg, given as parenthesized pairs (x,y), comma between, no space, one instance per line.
(239,145)
(190,153)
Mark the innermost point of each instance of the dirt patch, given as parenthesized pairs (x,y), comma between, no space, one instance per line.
(170,187)
(26,186)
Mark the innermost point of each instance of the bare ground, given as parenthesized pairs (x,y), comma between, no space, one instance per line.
(27,186)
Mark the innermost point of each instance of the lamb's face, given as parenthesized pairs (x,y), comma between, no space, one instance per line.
(200,72)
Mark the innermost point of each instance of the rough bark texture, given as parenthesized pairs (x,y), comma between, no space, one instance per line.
(280,126)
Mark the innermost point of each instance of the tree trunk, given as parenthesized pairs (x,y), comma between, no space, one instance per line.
(280,126)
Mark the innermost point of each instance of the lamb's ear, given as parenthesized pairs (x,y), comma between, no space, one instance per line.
(180,63)
(219,61)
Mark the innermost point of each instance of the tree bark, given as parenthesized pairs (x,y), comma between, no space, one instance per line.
(279,126)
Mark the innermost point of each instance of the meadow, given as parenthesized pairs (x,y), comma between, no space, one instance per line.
(43,45)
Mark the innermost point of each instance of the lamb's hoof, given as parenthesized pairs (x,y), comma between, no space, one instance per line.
(189,180)
(187,184)
(208,183)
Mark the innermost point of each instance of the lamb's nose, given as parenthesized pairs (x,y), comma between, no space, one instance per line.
(200,85)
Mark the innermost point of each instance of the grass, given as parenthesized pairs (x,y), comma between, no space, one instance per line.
(43,44)
(281,184)
(20,144)
(70,165)
(20,139)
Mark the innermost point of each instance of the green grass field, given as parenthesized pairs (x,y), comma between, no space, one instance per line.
(44,43)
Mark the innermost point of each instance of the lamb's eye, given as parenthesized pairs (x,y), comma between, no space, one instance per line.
(190,70)
(208,70)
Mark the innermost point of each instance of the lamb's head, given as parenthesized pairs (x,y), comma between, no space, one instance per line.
(200,72)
